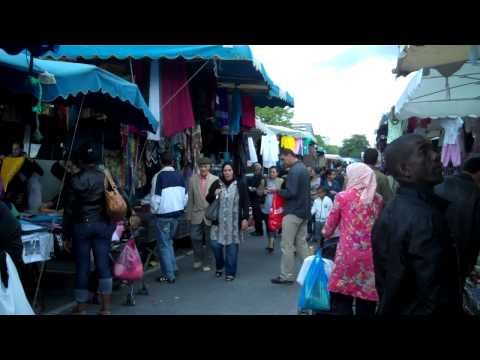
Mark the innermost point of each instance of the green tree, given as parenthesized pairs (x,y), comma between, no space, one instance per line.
(323,142)
(275,116)
(332,149)
(354,146)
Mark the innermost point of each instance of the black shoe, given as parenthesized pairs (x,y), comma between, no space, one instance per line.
(269,250)
(279,281)
(163,279)
(218,274)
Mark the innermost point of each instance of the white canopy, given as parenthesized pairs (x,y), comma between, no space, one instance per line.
(429,94)
(281,130)
(416,57)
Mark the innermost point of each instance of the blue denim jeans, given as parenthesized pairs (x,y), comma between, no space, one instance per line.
(230,260)
(88,237)
(165,230)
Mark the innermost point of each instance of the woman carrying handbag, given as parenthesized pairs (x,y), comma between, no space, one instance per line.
(228,197)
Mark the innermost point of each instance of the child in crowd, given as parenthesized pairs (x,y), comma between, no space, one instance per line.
(321,209)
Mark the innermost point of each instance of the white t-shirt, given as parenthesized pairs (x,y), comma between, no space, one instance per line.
(321,209)
(451,127)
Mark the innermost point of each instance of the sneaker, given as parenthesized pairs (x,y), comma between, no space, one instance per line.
(197,265)
(279,281)
(163,279)
(206,269)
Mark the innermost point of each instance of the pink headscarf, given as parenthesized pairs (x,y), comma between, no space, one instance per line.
(362,178)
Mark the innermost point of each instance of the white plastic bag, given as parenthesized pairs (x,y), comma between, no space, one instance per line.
(12,299)
(328,266)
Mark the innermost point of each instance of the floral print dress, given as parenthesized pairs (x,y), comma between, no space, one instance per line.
(353,272)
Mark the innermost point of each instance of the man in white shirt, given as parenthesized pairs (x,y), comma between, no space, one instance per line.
(322,206)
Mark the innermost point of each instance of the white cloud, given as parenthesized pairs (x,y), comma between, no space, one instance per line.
(339,102)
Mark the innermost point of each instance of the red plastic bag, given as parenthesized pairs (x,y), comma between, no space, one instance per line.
(275,216)
(128,265)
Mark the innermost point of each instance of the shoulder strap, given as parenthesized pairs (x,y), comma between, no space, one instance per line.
(109,180)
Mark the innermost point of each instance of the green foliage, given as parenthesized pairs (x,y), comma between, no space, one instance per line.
(354,146)
(275,116)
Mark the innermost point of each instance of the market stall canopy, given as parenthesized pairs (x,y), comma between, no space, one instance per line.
(446,59)
(71,80)
(34,49)
(235,65)
(429,94)
(281,130)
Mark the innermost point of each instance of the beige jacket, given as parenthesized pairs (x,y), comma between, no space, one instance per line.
(197,204)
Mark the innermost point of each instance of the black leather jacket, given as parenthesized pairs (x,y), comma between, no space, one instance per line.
(84,199)
(463,217)
(416,271)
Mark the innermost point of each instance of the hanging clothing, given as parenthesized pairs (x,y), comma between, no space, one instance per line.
(298,146)
(395,129)
(154,96)
(177,112)
(452,128)
(306,145)
(288,142)
(34,191)
(221,108)
(10,167)
(235,113)
(269,149)
(248,112)
(451,153)
(252,152)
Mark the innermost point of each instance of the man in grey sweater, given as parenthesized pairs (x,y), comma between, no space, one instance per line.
(296,193)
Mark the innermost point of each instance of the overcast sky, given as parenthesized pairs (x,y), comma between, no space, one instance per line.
(341,89)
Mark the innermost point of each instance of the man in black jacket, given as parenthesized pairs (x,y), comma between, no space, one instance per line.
(463,191)
(415,259)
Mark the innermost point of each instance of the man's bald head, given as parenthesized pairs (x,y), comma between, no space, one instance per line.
(411,159)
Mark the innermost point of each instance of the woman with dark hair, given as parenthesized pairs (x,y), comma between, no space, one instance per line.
(228,232)
(87,227)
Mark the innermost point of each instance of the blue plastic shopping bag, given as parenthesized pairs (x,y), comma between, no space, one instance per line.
(314,294)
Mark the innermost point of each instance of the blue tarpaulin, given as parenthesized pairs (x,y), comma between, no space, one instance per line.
(72,80)
(236,63)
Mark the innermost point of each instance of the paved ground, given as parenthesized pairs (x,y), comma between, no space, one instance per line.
(198,293)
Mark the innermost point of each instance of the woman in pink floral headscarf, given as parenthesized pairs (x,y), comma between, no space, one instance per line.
(355,211)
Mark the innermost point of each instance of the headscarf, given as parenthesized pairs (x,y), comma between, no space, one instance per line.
(361,177)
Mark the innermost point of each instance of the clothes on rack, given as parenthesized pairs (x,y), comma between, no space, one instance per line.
(288,142)
(269,149)
(235,112)
(452,128)
(306,145)
(451,153)
(248,112)
(299,146)
(177,112)
(252,152)
(395,129)
(221,108)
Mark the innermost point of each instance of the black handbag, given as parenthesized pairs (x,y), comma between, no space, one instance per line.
(213,210)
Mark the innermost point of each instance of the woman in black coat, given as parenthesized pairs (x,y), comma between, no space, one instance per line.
(228,231)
